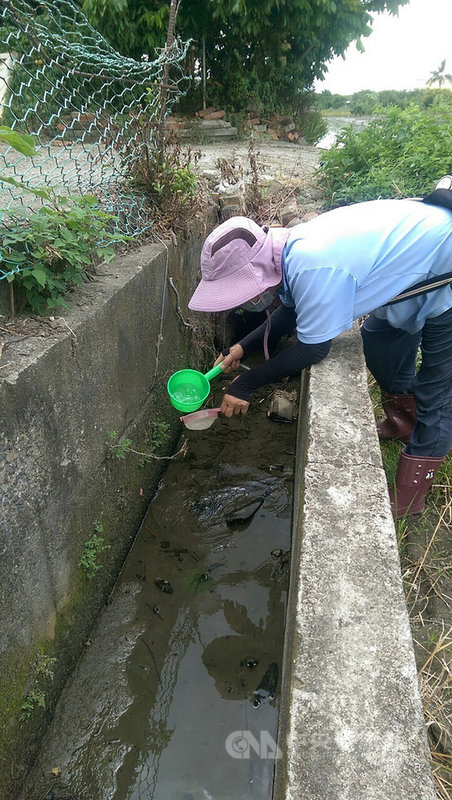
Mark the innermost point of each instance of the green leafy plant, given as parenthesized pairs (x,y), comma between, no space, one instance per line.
(25,144)
(21,142)
(120,448)
(93,547)
(55,250)
(401,153)
(44,666)
(42,671)
(160,432)
(365,102)
(34,699)
(175,181)
(249,52)
(312,125)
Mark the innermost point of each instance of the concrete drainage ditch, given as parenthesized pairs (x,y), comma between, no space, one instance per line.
(350,722)
(177,694)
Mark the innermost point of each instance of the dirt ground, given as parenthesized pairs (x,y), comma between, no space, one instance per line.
(277,159)
(285,172)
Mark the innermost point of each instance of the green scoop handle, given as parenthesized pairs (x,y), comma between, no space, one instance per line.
(212,373)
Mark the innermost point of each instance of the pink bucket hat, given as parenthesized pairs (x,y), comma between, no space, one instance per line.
(239,260)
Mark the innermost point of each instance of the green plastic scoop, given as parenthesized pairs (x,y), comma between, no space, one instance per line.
(188,388)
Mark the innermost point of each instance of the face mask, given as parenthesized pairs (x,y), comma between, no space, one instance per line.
(265,300)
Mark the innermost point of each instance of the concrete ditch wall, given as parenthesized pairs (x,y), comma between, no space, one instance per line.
(351,724)
(95,370)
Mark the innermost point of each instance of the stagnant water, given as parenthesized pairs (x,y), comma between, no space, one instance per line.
(177,696)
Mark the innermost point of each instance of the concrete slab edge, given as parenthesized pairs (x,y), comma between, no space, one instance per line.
(351,722)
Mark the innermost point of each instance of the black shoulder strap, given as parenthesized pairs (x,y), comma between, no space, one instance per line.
(440,197)
(422,287)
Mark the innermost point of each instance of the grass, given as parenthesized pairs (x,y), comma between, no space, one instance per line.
(426,562)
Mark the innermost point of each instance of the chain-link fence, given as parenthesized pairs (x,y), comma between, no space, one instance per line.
(86,105)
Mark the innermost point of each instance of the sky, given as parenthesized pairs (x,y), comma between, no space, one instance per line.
(401,52)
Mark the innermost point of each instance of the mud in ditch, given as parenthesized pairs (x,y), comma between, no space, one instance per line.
(177,696)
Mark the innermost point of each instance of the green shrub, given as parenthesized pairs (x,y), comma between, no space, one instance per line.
(312,125)
(92,550)
(401,153)
(52,252)
(42,256)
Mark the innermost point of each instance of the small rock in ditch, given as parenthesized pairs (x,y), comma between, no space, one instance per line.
(164,585)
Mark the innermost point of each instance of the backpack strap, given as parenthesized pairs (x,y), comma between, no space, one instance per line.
(422,287)
(439,197)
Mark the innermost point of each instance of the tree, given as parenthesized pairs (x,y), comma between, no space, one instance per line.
(266,52)
(440,76)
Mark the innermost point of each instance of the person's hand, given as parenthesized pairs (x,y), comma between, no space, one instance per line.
(231,362)
(233,406)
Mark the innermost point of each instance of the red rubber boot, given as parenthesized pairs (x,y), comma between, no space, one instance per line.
(413,479)
(400,419)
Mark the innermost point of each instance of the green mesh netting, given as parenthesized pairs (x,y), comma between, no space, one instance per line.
(85,104)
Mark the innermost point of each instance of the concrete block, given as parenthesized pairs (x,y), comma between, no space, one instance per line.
(203,111)
(212,123)
(288,213)
(214,115)
(223,133)
(228,211)
(236,199)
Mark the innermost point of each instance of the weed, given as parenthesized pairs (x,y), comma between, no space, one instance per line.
(254,197)
(160,432)
(41,673)
(119,448)
(161,170)
(93,547)
(263,202)
(435,682)
(54,249)
(312,125)
(34,699)
(230,172)
(43,666)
